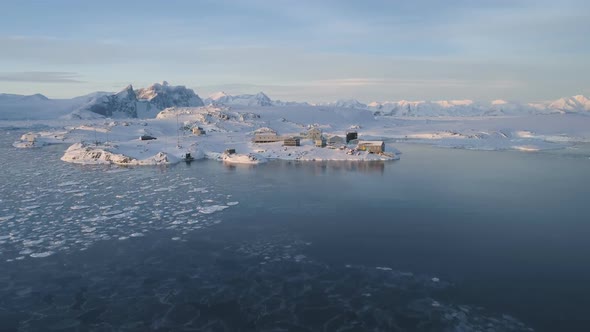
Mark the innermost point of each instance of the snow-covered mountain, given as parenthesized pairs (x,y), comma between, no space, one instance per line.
(162,95)
(144,103)
(576,104)
(428,108)
(121,105)
(148,102)
(222,98)
(345,103)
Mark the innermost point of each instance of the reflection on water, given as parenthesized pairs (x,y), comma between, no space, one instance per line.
(319,167)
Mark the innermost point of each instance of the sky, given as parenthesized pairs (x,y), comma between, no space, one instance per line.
(304,50)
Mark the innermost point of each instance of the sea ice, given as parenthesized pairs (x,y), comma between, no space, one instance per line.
(212,208)
(41,254)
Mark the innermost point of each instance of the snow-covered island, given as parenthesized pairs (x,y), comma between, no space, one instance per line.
(164,124)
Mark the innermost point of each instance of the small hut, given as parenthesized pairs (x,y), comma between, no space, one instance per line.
(371,146)
(266,137)
(335,140)
(351,135)
(291,141)
(320,143)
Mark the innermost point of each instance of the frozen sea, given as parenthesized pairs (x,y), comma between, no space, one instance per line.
(441,240)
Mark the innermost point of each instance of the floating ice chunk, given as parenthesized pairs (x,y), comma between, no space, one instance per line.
(383,268)
(120,215)
(299,258)
(208,201)
(28,243)
(212,208)
(111,213)
(68,183)
(41,254)
(232,203)
(6,218)
(176,213)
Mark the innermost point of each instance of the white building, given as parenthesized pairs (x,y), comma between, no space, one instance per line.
(266,137)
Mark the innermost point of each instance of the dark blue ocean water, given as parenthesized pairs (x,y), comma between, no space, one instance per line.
(441,240)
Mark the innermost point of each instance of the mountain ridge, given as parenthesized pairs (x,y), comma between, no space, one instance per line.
(147,102)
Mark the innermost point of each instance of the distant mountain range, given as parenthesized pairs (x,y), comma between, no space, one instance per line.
(222,98)
(575,104)
(148,102)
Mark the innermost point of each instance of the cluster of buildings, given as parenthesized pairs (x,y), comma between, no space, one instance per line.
(315,134)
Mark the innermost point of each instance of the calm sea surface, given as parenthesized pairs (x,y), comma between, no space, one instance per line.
(441,240)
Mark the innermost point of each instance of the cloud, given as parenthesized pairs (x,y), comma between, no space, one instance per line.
(40,77)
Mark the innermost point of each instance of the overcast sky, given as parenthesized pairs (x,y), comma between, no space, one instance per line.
(300,50)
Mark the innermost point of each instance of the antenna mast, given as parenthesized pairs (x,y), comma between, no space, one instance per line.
(177,132)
